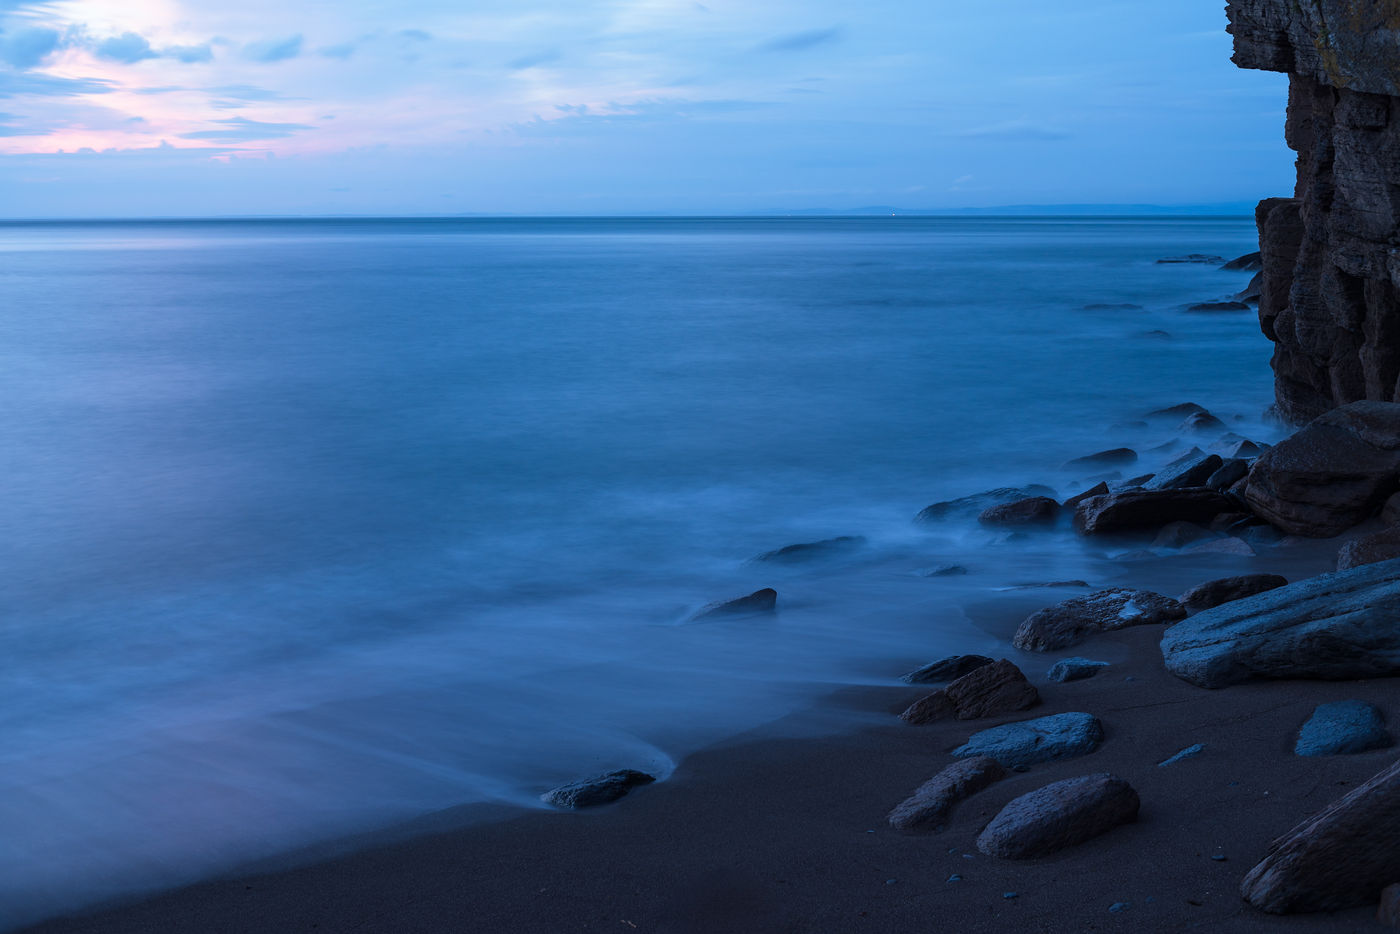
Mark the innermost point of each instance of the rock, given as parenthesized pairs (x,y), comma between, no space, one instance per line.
(1116,457)
(1177,412)
(1061,736)
(1369,549)
(760,601)
(1199,258)
(1133,483)
(1213,593)
(1098,489)
(1128,510)
(1036,510)
(1218,306)
(1342,728)
(1202,423)
(927,809)
(1190,752)
(1332,474)
(945,570)
(977,502)
(1058,816)
(1333,627)
(1074,669)
(1247,262)
(1234,522)
(1231,472)
(813,551)
(1038,585)
(1247,450)
(1222,546)
(1071,622)
(1179,535)
(1342,856)
(601,789)
(1252,292)
(1388,912)
(1112,306)
(1183,475)
(985,691)
(946,669)
(1157,334)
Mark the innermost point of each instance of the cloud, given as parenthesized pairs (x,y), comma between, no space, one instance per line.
(128,48)
(531,61)
(243,130)
(12,84)
(273,50)
(416,35)
(801,41)
(246,92)
(28,47)
(580,119)
(1014,130)
(189,54)
(342,51)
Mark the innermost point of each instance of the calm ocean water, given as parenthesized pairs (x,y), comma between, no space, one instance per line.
(311,526)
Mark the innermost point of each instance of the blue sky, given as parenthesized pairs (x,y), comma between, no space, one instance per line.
(199,107)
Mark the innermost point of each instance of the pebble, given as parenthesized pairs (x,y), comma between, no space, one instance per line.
(1189,752)
(1119,906)
(1220,857)
(955,878)
(891,881)
(1010,894)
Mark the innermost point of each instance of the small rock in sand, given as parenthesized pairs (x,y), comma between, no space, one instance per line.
(1214,593)
(1190,752)
(946,669)
(1023,744)
(983,692)
(927,809)
(1074,669)
(1074,620)
(601,789)
(1058,816)
(1342,728)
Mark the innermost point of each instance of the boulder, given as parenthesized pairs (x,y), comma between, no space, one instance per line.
(1058,816)
(1034,510)
(1206,259)
(1098,489)
(813,551)
(927,808)
(1219,306)
(984,691)
(1248,449)
(977,502)
(1074,669)
(760,601)
(1213,593)
(1246,263)
(1116,457)
(1060,736)
(1342,728)
(1071,622)
(1332,627)
(1341,857)
(1331,474)
(946,669)
(1129,510)
(1176,412)
(1179,535)
(601,789)
(1184,473)
(1369,549)
(1231,472)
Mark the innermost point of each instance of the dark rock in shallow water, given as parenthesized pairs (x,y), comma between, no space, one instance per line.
(1179,535)
(1245,263)
(946,669)
(1036,510)
(601,789)
(1332,627)
(1202,423)
(1176,412)
(1218,306)
(1129,510)
(945,570)
(1222,546)
(1231,472)
(1114,457)
(1342,728)
(1058,816)
(1181,475)
(1248,450)
(1074,620)
(1098,489)
(1370,549)
(1332,474)
(760,601)
(1112,306)
(1133,483)
(1342,856)
(1074,669)
(1253,292)
(1061,736)
(984,691)
(927,809)
(977,502)
(813,551)
(1212,594)
(1205,259)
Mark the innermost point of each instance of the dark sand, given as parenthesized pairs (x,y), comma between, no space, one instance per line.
(773,834)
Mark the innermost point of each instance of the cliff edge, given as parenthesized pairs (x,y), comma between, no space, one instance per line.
(1330,289)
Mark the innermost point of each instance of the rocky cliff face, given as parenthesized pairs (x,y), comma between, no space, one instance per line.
(1330,292)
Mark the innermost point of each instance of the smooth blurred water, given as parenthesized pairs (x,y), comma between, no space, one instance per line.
(313,525)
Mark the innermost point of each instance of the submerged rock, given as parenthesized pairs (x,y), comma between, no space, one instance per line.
(977,502)
(1179,535)
(1115,457)
(1201,423)
(1176,412)
(1342,856)
(1074,669)
(1218,306)
(1112,306)
(1206,259)
(1098,489)
(1222,546)
(601,789)
(1074,620)
(1130,510)
(1184,473)
(1245,263)
(813,551)
(1332,627)
(1214,593)
(984,691)
(1035,510)
(1058,816)
(945,570)
(1343,728)
(1061,736)
(946,669)
(1370,549)
(927,809)
(1332,474)
(760,601)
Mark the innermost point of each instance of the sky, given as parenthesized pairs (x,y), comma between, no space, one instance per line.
(215,107)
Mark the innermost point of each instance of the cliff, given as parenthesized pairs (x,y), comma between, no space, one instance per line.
(1330,290)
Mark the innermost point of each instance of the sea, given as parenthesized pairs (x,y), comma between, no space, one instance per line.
(315,526)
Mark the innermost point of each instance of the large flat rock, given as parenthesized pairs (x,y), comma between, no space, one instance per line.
(1332,627)
(1027,742)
